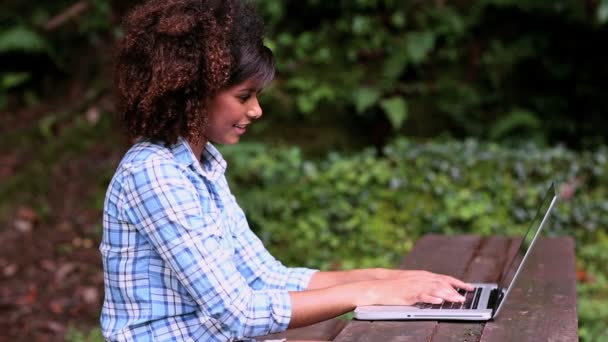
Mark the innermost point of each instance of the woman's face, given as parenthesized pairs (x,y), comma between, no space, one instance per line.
(231,111)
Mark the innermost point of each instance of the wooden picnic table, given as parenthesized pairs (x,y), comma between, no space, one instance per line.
(542,306)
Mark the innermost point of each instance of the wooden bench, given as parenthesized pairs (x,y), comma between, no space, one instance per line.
(542,306)
(320,332)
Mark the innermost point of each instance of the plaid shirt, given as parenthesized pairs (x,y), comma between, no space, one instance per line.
(180,262)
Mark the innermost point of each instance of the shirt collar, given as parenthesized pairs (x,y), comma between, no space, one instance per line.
(210,164)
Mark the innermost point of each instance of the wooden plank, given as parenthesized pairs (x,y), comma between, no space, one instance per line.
(542,307)
(458,332)
(363,331)
(486,266)
(436,253)
(488,263)
(446,254)
(322,331)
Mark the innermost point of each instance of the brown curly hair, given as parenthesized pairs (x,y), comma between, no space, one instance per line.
(177,54)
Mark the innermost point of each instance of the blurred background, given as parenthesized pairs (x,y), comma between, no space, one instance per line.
(387,120)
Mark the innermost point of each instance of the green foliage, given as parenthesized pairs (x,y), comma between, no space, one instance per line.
(13,79)
(518,125)
(592,295)
(54,140)
(30,51)
(23,40)
(450,187)
(19,38)
(8,81)
(97,21)
(602,12)
(363,210)
(396,110)
(466,65)
(76,335)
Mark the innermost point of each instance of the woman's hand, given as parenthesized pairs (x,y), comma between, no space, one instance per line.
(409,287)
(324,300)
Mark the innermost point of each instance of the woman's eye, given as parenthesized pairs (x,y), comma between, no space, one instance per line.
(244,98)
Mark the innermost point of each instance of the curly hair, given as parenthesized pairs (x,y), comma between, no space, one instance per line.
(176,55)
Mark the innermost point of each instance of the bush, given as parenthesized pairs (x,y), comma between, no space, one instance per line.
(393,64)
(362,210)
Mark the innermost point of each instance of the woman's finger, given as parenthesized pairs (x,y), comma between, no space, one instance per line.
(426,298)
(459,283)
(447,293)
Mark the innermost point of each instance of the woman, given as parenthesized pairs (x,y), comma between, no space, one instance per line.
(180,262)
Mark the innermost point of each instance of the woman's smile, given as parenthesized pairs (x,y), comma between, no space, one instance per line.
(241,129)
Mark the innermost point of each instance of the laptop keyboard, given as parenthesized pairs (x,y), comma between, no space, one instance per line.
(471,301)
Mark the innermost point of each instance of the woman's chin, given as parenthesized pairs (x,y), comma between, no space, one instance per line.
(227,141)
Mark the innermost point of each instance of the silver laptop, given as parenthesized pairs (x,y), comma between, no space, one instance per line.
(482,304)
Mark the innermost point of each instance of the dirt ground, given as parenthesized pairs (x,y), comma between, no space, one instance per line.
(51,279)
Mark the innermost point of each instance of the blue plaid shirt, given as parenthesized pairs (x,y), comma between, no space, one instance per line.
(180,262)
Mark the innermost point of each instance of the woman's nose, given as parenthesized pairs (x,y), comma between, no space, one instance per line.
(255,112)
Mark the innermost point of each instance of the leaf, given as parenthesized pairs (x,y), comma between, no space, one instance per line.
(413,49)
(13,79)
(361,24)
(301,83)
(20,38)
(398,19)
(365,98)
(46,126)
(396,63)
(305,104)
(602,12)
(517,119)
(419,45)
(396,110)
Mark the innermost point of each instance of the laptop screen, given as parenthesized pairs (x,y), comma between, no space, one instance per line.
(508,276)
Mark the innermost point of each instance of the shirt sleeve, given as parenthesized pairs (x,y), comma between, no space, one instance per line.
(184,230)
(260,268)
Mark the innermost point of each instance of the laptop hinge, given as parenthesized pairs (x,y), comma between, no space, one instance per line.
(496,296)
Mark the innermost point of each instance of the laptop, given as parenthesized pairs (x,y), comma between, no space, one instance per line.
(482,304)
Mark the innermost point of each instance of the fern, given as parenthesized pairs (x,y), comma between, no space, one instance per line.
(516,120)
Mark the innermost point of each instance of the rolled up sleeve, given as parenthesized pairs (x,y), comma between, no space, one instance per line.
(260,268)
